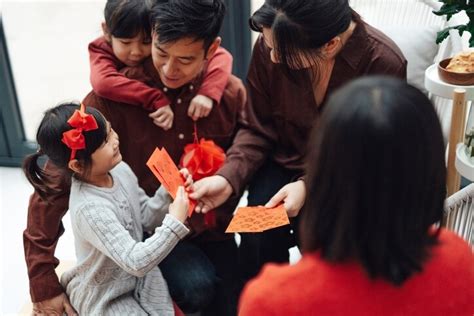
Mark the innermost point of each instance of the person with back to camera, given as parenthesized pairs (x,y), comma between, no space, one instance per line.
(307,50)
(376,187)
(116,272)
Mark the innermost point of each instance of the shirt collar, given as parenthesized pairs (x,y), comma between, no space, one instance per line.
(354,49)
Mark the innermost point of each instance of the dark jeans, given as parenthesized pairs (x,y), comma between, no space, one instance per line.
(272,245)
(201,277)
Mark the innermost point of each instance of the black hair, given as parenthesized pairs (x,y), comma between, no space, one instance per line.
(173,20)
(376,178)
(301,27)
(128,18)
(49,138)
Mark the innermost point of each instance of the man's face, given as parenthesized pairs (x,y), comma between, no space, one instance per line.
(178,63)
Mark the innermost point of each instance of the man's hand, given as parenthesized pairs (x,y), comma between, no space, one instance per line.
(163,117)
(293,195)
(211,192)
(200,106)
(57,305)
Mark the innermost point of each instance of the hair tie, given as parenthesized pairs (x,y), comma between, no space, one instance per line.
(82,122)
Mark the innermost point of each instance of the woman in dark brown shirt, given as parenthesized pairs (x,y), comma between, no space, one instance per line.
(307,50)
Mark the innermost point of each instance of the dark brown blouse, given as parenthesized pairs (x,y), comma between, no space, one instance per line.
(282,110)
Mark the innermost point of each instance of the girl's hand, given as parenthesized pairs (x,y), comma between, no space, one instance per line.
(163,117)
(188,179)
(179,207)
(200,106)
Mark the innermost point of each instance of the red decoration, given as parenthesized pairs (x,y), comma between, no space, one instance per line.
(203,158)
(74,138)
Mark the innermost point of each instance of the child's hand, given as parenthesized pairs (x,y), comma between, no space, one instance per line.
(179,207)
(163,117)
(200,106)
(188,179)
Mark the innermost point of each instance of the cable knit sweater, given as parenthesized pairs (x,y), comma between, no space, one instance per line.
(117,273)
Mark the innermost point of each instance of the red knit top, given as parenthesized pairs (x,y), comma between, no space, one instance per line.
(316,287)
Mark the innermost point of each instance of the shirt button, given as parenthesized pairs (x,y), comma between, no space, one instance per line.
(179,101)
(191,87)
(181,136)
(165,89)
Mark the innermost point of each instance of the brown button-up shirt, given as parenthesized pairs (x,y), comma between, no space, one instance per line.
(139,136)
(282,111)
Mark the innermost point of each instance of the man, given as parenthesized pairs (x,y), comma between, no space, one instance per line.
(205,264)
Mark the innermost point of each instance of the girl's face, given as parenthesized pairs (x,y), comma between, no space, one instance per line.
(107,156)
(131,51)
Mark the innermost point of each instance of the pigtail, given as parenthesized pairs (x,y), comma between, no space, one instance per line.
(37,176)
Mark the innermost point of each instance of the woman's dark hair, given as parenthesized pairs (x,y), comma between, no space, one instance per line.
(301,27)
(48,137)
(173,20)
(376,178)
(128,18)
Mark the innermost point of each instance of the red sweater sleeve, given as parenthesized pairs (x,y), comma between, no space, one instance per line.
(217,75)
(108,83)
(44,227)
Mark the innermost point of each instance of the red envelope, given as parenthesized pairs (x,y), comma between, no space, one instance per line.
(163,167)
(255,219)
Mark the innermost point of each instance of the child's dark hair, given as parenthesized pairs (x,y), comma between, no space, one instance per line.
(128,18)
(173,20)
(48,137)
(376,179)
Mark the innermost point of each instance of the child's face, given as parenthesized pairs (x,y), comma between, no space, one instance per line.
(107,156)
(179,62)
(131,51)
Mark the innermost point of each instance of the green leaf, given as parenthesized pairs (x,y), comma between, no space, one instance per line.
(448,9)
(461,29)
(443,34)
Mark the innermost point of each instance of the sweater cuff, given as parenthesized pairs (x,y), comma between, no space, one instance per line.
(45,287)
(176,226)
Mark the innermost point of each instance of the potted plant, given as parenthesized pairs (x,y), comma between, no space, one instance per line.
(452,7)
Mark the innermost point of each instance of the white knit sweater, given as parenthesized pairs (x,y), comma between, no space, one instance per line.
(117,273)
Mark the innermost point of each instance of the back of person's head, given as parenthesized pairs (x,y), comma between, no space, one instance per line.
(301,27)
(376,178)
(49,138)
(173,20)
(128,18)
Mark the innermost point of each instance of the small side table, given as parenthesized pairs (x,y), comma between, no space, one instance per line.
(459,95)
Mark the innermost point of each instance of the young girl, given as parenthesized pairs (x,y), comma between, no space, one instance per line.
(127,42)
(116,273)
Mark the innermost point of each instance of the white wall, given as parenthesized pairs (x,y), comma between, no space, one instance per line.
(47,43)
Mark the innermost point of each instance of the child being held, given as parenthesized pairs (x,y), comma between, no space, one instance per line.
(127,42)
(116,272)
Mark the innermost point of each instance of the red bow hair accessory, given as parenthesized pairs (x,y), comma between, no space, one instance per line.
(82,122)
(203,158)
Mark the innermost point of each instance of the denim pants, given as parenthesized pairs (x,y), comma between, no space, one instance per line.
(272,245)
(202,277)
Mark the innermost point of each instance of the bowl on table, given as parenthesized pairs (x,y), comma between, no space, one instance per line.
(456,78)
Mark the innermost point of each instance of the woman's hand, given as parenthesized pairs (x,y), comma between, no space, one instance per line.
(293,195)
(179,208)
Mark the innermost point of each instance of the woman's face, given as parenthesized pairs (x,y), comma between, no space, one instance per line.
(305,60)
